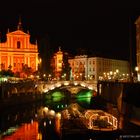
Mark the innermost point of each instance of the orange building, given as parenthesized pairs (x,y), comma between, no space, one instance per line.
(18,51)
(58,61)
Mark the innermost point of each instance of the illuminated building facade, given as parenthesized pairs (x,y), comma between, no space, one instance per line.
(18,51)
(57,63)
(138,46)
(94,68)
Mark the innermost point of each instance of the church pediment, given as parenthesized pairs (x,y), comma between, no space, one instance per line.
(18,32)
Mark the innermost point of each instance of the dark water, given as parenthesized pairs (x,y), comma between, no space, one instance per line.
(28,122)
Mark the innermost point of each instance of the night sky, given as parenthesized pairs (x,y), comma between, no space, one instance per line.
(96,27)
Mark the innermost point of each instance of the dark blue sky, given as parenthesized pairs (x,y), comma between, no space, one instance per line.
(98,27)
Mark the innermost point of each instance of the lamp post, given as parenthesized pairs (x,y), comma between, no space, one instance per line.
(137,69)
(44,76)
(65,76)
(117,74)
(81,76)
(49,77)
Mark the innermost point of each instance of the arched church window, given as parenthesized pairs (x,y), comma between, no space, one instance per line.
(18,44)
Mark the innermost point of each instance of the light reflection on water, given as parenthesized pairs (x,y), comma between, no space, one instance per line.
(30,126)
(26,131)
(84,102)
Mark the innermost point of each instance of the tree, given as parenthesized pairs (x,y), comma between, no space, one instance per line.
(2,66)
(27,70)
(10,67)
(6,73)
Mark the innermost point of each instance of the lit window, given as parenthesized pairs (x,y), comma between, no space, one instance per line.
(90,62)
(18,44)
(60,61)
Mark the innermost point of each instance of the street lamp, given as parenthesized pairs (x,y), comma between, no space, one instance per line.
(44,76)
(111,72)
(137,69)
(80,76)
(117,74)
(49,77)
(117,71)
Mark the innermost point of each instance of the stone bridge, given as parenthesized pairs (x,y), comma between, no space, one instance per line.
(40,87)
(72,86)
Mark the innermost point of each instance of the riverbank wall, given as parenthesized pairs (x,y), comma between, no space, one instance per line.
(19,93)
(121,99)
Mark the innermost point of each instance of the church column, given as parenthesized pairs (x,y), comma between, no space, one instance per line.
(28,61)
(25,59)
(36,61)
(12,63)
(8,60)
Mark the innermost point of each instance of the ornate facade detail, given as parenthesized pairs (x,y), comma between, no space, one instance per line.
(17,51)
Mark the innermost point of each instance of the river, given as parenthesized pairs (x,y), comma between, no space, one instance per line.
(36,121)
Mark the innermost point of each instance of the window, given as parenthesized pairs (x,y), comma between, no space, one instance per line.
(18,44)
(3,66)
(90,62)
(59,61)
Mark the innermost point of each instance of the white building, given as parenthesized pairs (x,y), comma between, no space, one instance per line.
(98,68)
(138,46)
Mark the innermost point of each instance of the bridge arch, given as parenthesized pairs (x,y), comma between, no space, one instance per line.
(45,87)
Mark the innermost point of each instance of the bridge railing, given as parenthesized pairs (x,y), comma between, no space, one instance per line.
(47,86)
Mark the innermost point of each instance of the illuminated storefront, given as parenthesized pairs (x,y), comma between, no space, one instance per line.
(17,51)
